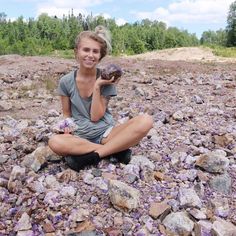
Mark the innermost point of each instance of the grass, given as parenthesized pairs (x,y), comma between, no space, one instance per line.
(217,50)
(50,84)
(66,54)
(224,51)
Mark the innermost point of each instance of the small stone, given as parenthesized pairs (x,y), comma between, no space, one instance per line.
(122,196)
(143,162)
(203,228)
(178,115)
(189,198)
(5,106)
(51,182)
(108,176)
(221,206)
(222,227)
(118,221)
(93,199)
(3,159)
(159,176)
(158,209)
(130,178)
(213,162)
(48,226)
(179,223)
(97,172)
(68,191)
(197,214)
(79,215)
(25,233)
(155,156)
(221,184)
(23,223)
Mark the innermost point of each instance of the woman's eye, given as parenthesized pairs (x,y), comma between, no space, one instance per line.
(86,49)
(95,51)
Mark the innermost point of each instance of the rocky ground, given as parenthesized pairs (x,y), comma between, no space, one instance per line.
(182,176)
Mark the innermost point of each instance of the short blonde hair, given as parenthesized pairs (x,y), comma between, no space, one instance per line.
(100,35)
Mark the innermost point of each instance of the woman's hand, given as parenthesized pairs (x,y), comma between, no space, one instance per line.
(67,126)
(67,130)
(100,82)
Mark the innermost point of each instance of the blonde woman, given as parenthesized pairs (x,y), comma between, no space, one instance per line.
(84,98)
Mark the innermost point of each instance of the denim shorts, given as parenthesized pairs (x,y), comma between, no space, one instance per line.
(98,139)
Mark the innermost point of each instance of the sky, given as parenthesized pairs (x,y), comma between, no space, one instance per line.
(195,16)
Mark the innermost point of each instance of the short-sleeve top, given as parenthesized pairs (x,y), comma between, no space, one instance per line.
(80,107)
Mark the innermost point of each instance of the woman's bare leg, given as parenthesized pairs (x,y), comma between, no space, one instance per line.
(67,144)
(125,135)
(121,137)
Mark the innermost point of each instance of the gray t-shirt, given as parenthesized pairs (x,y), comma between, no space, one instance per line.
(80,107)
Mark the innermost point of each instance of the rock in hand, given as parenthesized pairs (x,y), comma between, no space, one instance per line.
(111,71)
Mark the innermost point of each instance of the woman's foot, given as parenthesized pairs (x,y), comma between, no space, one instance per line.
(78,162)
(121,157)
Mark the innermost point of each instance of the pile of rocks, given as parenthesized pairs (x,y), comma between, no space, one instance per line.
(182,176)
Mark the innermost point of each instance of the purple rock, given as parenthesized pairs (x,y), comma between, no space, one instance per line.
(111,71)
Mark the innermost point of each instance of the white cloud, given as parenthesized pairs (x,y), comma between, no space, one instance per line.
(25,1)
(12,19)
(59,12)
(185,11)
(62,7)
(104,15)
(120,21)
(76,3)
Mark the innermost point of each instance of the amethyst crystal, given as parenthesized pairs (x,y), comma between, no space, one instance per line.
(111,71)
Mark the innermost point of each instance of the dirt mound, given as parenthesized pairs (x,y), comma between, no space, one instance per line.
(184,54)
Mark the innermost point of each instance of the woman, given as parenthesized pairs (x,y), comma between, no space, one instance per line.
(84,97)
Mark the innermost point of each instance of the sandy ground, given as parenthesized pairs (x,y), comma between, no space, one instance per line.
(185,54)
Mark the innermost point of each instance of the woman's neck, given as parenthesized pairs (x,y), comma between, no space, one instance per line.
(86,75)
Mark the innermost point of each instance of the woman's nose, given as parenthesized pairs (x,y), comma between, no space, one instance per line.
(90,53)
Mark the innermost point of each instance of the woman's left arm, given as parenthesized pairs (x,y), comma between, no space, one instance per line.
(99,102)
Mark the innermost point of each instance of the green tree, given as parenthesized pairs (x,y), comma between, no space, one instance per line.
(208,37)
(221,37)
(231,25)
(46,33)
(3,46)
(170,39)
(3,17)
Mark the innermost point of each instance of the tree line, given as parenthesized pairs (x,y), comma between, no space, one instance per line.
(45,34)
(223,37)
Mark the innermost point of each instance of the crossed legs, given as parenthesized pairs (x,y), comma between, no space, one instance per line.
(121,137)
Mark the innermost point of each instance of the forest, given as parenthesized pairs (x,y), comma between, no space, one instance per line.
(46,34)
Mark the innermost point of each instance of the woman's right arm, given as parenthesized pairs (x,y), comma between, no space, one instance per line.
(66,110)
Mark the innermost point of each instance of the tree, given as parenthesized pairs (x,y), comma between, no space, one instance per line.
(3,17)
(208,37)
(231,27)
(46,34)
(221,37)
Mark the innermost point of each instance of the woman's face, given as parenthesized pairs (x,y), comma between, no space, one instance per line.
(88,53)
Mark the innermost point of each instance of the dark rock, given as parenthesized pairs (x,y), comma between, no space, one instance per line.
(111,71)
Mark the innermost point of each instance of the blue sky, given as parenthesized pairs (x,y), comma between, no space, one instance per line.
(195,16)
